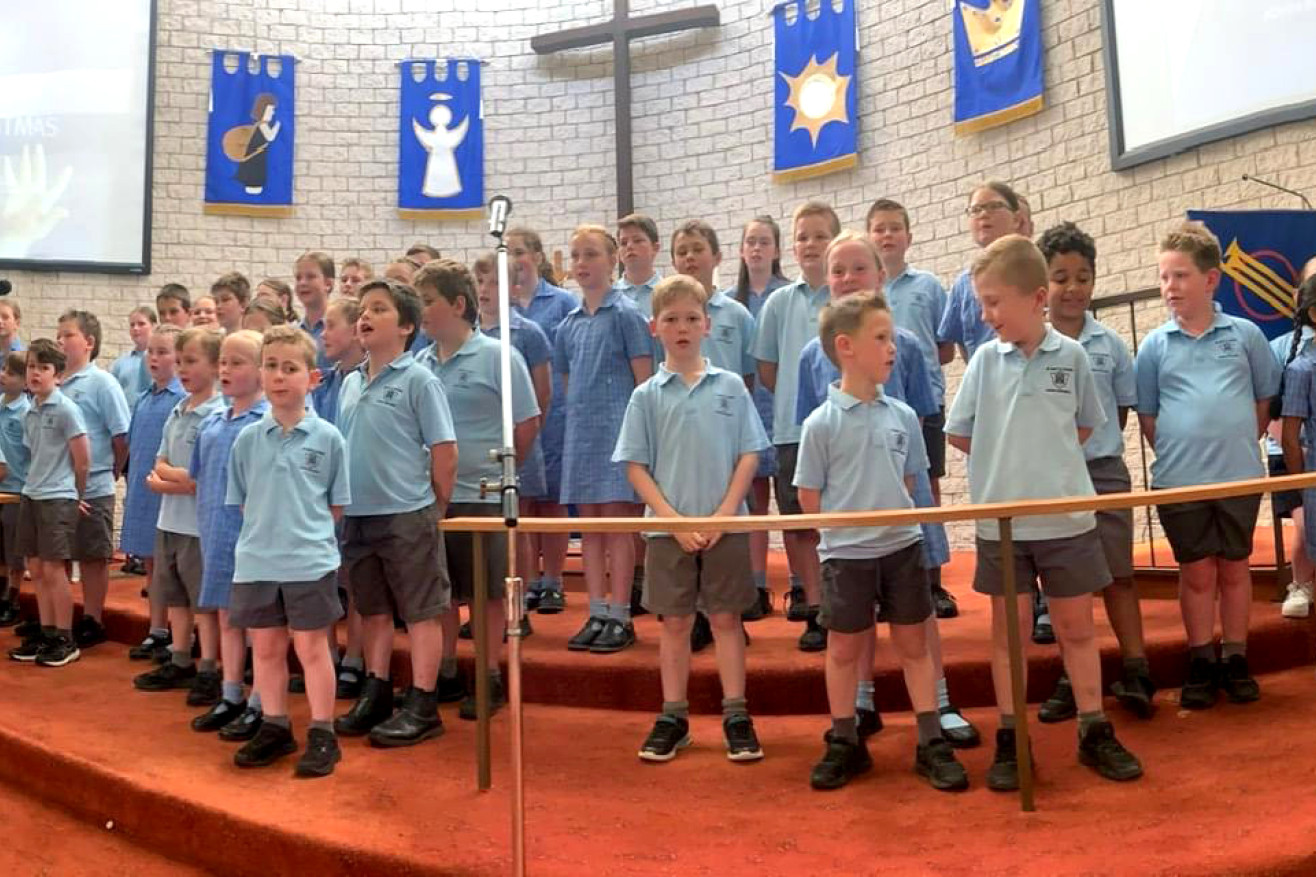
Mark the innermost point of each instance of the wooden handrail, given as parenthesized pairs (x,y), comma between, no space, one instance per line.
(938,515)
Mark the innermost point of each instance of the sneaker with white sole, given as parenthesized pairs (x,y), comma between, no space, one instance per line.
(1298,602)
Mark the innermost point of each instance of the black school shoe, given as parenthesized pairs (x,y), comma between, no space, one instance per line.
(962,737)
(1199,689)
(168,677)
(797,605)
(1134,692)
(321,754)
(497,700)
(447,691)
(551,601)
(701,633)
(26,652)
(762,607)
(146,649)
(1060,706)
(615,637)
(841,762)
(585,637)
(207,690)
(417,721)
(58,652)
(1099,750)
(375,705)
(867,722)
(943,603)
(218,716)
(271,743)
(937,764)
(1003,775)
(244,727)
(1237,682)
(88,632)
(814,638)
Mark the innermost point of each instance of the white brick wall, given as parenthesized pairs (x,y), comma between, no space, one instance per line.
(702,130)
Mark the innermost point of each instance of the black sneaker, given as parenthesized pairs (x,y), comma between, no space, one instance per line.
(88,632)
(961,736)
(465,631)
(1043,633)
(585,637)
(10,614)
(814,638)
(1237,682)
(133,566)
(527,630)
(532,598)
(417,721)
(867,722)
(58,652)
(551,602)
(1003,775)
(145,650)
(615,637)
(797,606)
(218,716)
(637,596)
(450,690)
(841,762)
(271,743)
(375,705)
(936,763)
(169,677)
(943,603)
(28,628)
(701,633)
(1199,689)
(321,754)
(1134,692)
(244,727)
(26,652)
(349,683)
(207,690)
(497,700)
(742,742)
(1060,706)
(1099,750)
(669,735)
(762,607)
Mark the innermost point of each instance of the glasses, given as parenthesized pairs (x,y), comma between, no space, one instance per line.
(986,207)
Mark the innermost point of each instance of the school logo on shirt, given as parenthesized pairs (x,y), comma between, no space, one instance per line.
(724,405)
(312,460)
(463,377)
(899,441)
(1062,379)
(726,335)
(391,396)
(49,421)
(14,429)
(1226,348)
(1100,362)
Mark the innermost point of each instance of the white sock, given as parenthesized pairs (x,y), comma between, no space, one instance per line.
(951,721)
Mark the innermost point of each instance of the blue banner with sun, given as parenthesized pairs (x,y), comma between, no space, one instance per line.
(250,134)
(998,62)
(816,90)
(1263,251)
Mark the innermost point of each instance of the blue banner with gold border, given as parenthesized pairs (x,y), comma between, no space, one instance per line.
(816,90)
(250,135)
(998,62)
(441,140)
(1263,253)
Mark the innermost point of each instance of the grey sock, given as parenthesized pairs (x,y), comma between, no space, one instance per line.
(734,706)
(598,608)
(207,665)
(278,721)
(620,612)
(929,727)
(845,729)
(253,702)
(357,663)
(1007,721)
(321,726)
(1087,720)
(232,692)
(677,709)
(180,659)
(1228,650)
(1205,653)
(448,668)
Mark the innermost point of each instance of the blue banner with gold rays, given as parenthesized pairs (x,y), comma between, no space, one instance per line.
(249,141)
(441,140)
(1264,251)
(998,62)
(816,95)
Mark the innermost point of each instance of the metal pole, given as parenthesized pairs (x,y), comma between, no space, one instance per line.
(1022,751)
(480,627)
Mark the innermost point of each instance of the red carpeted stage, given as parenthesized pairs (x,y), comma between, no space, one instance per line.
(81,750)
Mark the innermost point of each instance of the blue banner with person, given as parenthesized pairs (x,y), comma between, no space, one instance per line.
(250,134)
(816,90)
(441,140)
(998,62)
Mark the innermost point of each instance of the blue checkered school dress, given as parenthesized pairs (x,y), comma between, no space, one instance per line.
(218,524)
(530,341)
(141,505)
(547,309)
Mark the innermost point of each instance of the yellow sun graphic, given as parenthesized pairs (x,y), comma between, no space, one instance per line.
(817,96)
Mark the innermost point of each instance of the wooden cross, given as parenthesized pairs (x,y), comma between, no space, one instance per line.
(620,31)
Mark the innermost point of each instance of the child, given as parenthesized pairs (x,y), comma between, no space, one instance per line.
(343,350)
(787,322)
(603,352)
(51,505)
(403,459)
(402,270)
(695,253)
(16,458)
(285,577)
(313,278)
(690,441)
(281,294)
(1298,415)
(1071,259)
(105,416)
(130,369)
(862,450)
(422,253)
(351,274)
(1204,384)
(468,363)
(141,505)
(11,321)
(637,241)
(758,277)
(174,305)
(261,314)
(177,574)
(232,293)
(218,525)
(1025,406)
(203,312)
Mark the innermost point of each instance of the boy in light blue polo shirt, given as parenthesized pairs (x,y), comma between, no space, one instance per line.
(13,409)
(637,250)
(690,441)
(862,451)
(288,473)
(1025,406)
(1205,381)
(730,339)
(786,323)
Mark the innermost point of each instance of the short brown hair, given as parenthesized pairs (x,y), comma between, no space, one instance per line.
(1014,260)
(87,324)
(698,228)
(146,311)
(234,282)
(1194,240)
(404,300)
(675,287)
(175,292)
(295,336)
(426,249)
(323,261)
(46,352)
(844,317)
(16,363)
(816,208)
(642,222)
(207,337)
(272,310)
(452,280)
(886,205)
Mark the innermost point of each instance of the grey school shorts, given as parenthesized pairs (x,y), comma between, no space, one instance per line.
(788,499)
(1210,527)
(94,537)
(13,558)
(717,580)
(1115,527)
(895,585)
(1067,567)
(396,563)
(176,577)
(46,527)
(460,548)
(310,605)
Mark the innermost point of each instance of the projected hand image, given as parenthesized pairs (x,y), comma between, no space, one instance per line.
(29,201)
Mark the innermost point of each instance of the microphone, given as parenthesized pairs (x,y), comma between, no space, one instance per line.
(1251,179)
(500,206)
(6,287)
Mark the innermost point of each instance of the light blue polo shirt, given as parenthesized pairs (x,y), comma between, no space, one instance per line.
(47,428)
(962,321)
(285,483)
(788,321)
(177,510)
(1117,386)
(390,424)
(730,335)
(908,380)
(316,331)
(691,438)
(1023,416)
(640,294)
(918,302)
(1203,393)
(105,414)
(858,454)
(132,374)
(472,381)
(16,455)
